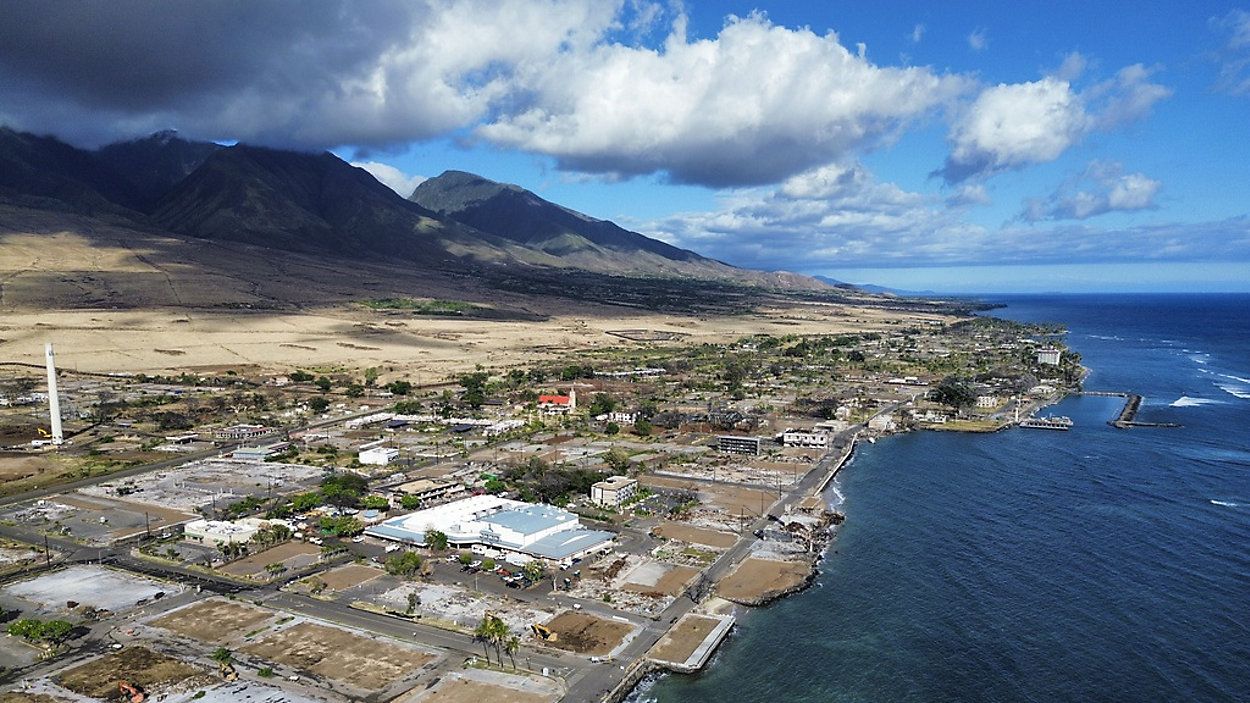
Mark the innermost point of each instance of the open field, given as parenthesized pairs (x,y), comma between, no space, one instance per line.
(757,579)
(478,686)
(696,535)
(98,678)
(587,634)
(292,555)
(95,586)
(125,300)
(684,638)
(214,621)
(29,698)
(339,655)
(658,579)
(350,576)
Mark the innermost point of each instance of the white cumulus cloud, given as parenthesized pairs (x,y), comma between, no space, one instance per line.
(1009,126)
(1101,188)
(754,105)
(391,177)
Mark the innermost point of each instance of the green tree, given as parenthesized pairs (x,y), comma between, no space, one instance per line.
(319,404)
(298,376)
(371,376)
(376,503)
(612,428)
(436,540)
(221,655)
(324,383)
(409,502)
(954,392)
(355,390)
(642,427)
(406,564)
(533,570)
(413,601)
(400,387)
(601,404)
(511,646)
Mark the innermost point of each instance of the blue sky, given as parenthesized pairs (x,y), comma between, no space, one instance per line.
(971,146)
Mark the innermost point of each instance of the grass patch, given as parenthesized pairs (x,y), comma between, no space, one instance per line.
(422,307)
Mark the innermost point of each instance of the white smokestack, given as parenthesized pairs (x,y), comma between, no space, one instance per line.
(54,401)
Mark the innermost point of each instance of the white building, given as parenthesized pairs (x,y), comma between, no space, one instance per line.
(614,492)
(492,524)
(882,423)
(378,456)
(984,402)
(805,438)
(558,404)
(1049,355)
(219,532)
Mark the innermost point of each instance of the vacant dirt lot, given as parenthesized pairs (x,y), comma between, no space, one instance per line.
(292,555)
(696,535)
(29,698)
(587,634)
(480,686)
(214,621)
(758,579)
(683,639)
(339,655)
(733,500)
(346,577)
(98,678)
(671,583)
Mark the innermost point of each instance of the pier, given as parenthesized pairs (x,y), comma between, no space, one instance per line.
(1128,414)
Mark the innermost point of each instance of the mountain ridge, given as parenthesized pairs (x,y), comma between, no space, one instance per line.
(318,203)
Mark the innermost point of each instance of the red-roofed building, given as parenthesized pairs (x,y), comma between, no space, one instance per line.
(558,404)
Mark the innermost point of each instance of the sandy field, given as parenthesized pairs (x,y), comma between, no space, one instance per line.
(342,656)
(734,500)
(29,698)
(658,579)
(132,301)
(683,639)
(98,677)
(695,535)
(95,586)
(349,576)
(214,621)
(587,634)
(478,686)
(755,579)
(292,555)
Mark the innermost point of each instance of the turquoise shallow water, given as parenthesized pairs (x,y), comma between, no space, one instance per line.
(1098,564)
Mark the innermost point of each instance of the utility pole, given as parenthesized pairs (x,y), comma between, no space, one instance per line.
(47,555)
(147,525)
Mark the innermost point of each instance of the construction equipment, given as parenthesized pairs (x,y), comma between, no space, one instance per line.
(227,671)
(544,633)
(131,692)
(43,432)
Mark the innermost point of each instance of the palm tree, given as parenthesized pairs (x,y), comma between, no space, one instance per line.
(501,634)
(484,633)
(511,647)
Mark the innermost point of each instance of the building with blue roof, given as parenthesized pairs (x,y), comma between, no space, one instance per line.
(487,522)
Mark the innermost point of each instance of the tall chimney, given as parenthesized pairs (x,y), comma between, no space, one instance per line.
(54,402)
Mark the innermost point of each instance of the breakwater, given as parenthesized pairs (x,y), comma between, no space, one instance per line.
(1128,414)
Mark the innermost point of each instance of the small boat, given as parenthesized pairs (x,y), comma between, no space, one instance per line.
(1048,423)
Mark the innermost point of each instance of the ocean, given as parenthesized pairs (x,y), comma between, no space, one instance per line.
(1031,565)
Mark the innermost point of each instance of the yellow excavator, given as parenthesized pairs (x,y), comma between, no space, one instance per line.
(544,633)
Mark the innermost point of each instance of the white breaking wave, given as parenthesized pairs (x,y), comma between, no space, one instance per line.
(1188,402)
(1235,378)
(1235,390)
(1225,503)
